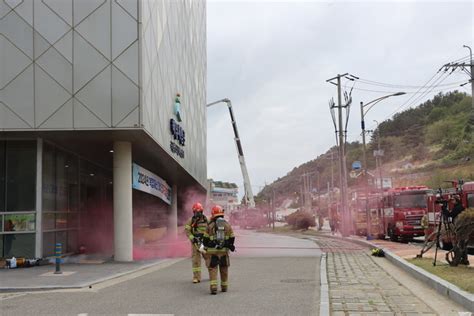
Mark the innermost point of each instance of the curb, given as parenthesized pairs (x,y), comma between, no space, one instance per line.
(165,262)
(443,287)
(324,289)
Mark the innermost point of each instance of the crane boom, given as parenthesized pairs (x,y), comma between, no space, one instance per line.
(248,195)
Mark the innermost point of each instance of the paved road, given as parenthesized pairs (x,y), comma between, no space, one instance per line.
(269,275)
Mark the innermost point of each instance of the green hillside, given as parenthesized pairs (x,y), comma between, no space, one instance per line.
(427,145)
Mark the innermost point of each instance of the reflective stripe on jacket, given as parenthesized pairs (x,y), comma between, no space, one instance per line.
(195,226)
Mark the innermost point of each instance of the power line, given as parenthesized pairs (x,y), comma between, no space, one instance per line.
(447,87)
(383,84)
(411,98)
(390,86)
(428,91)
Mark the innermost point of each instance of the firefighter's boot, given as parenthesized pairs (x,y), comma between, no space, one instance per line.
(213,280)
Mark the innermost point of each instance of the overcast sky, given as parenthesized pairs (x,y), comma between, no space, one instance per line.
(272,60)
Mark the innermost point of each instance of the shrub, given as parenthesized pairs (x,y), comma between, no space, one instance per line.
(300,220)
(291,219)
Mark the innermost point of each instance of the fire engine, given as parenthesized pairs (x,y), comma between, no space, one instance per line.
(359,210)
(403,209)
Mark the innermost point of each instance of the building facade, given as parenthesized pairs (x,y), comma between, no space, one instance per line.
(98,97)
(224,194)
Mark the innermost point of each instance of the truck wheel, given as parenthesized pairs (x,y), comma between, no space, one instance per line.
(392,235)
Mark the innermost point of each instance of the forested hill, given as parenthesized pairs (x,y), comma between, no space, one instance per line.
(434,136)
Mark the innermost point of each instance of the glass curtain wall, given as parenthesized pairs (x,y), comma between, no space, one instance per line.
(96,212)
(60,199)
(17,198)
(77,204)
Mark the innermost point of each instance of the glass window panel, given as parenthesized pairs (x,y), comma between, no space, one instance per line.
(61,237)
(48,244)
(73,220)
(49,179)
(61,182)
(1,246)
(21,176)
(19,222)
(19,245)
(48,221)
(2,176)
(72,241)
(470,200)
(61,220)
(73,183)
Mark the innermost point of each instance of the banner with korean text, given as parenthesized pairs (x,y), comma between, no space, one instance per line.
(146,181)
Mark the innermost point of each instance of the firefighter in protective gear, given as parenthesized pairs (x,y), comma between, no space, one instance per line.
(219,239)
(195,229)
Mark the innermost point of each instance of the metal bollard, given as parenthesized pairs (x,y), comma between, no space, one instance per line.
(59,248)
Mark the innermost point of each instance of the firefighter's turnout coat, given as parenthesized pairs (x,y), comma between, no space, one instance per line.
(218,239)
(196,227)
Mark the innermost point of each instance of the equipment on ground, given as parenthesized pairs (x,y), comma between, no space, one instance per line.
(457,236)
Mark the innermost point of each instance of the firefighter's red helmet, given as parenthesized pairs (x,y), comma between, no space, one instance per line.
(217,210)
(197,207)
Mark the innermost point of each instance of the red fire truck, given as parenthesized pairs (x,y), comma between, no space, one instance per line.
(359,216)
(403,209)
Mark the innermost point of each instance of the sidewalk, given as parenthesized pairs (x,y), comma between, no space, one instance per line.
(73,275)
(408,251)
(360,286)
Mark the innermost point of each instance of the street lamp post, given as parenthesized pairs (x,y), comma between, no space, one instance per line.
(363,112)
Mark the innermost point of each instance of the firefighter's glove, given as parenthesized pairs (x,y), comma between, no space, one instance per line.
(195,240)
(231,248)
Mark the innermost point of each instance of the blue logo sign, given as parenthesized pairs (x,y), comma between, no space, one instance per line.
(177,108)
(356,165)
(178,132)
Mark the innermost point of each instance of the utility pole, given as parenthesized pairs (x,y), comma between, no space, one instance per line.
(332,170)
(469,70)
(341,132)
(364,150)
(471,119)
(378,159)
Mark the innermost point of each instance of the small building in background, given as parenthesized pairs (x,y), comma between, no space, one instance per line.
(225,194)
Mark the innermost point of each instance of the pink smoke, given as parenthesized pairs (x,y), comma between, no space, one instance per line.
(169,246)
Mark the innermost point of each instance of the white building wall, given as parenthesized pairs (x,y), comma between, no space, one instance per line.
(69,64)
(174,61)
(79,64)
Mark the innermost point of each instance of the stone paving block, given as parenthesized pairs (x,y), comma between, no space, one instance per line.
(382,308)
(358,286)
